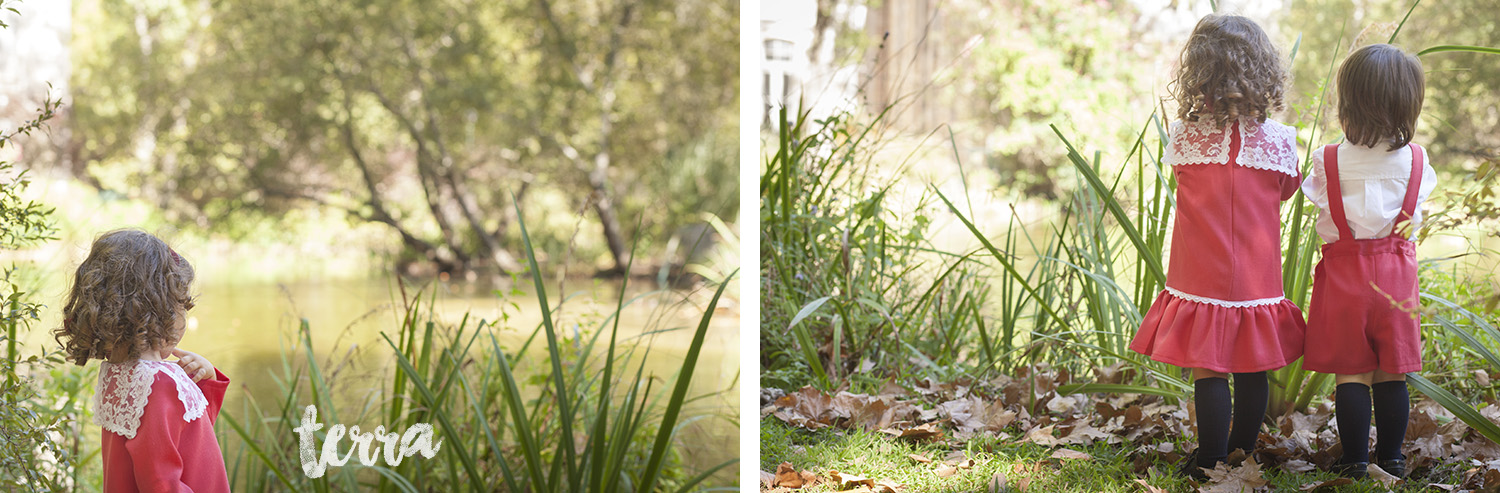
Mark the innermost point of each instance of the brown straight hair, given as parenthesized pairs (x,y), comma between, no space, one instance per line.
(1380,95)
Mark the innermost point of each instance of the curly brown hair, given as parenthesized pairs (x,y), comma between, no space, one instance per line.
(1228,69)
(125,298)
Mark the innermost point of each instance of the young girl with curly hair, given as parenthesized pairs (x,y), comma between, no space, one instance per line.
(126,307)
(1223,310)
(1362,320)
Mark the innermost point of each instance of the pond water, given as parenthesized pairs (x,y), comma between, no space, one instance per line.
(246,329)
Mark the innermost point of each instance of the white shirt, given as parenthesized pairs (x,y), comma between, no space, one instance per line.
(1374,184)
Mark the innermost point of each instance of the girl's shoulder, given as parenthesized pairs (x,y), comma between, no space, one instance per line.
(1268,145)
(124,390)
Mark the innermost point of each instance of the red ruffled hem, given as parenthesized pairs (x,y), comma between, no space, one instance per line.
(1192,334)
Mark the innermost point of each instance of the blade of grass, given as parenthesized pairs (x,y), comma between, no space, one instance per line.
(564,404)
(1114,388)
(1392,40)
(255,449)
(1453,403)
(674,405)
(804,338)
(1447,48)
(1152,260)
(430,400)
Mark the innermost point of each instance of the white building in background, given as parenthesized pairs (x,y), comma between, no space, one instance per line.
(799,68)
(786,32)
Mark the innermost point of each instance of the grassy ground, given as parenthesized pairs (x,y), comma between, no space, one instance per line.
(1024,466)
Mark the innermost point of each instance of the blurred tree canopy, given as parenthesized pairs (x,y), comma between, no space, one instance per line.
(1463,88)
(425,117)
(1097,69)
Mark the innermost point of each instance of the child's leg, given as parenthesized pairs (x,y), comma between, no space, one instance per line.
(1211,396)
(1352,411)
(1251,393)
(1392,409)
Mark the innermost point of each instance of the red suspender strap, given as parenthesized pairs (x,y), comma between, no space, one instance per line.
(1409,205)
(1335,191)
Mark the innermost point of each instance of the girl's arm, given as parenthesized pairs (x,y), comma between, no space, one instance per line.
(213,389)
(1290,185)
(154,450)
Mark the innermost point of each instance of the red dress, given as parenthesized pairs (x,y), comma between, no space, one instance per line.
(1363,313)
(1223,308)
(158,428)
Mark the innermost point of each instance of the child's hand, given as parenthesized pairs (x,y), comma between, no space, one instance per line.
(194,365)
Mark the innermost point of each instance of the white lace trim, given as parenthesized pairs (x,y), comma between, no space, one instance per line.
(1270,146)
(1224,303)
(123,390)
(1197,143)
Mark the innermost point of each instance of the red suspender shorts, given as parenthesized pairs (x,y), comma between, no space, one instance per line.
(1363,314)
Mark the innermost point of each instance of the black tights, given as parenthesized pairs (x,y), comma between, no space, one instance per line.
(1216,438)
(1392,406)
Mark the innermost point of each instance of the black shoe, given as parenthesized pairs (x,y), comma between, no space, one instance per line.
(1354,470)
(1189,468)
(1394,467)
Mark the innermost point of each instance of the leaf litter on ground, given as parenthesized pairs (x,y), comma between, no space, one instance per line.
(1029,405)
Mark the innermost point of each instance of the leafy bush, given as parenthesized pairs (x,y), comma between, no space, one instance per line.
(32,457)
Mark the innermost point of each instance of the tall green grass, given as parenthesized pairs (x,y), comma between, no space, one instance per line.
(846,284)
(552,414)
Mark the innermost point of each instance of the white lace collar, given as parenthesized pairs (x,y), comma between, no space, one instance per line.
(120,398)
(1269,146)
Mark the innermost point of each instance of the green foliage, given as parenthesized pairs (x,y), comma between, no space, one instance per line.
(845,285)
(423,117)
(31,457)
(1051,63)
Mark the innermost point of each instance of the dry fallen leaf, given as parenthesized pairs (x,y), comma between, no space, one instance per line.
(1041,435)
(1382,477)
(787,476)
(1064,453)
(927,431)
(919,458)
(844,481)
(1224,479)
(944,470)
(767,479)
(1084,434)
(1148,487)
(1298,465)
(812,409)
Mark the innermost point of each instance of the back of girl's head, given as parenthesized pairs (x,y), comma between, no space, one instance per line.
(1380,95)
(125,298)
(1228,69)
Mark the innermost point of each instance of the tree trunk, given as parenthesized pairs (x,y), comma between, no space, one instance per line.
(606,210)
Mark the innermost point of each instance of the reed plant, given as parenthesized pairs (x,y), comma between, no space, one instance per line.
(554,413)
(848,285)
